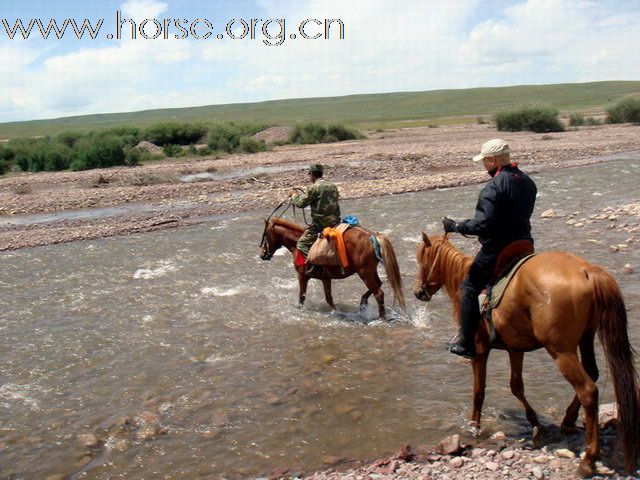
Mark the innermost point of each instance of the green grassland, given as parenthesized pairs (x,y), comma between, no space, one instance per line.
(371,111)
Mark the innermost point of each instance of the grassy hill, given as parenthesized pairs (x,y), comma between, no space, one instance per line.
(438,106)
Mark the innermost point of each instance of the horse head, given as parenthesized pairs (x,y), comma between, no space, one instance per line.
(270,242)
(428,280)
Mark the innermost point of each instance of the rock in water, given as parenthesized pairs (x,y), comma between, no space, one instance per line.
(88,440)
(551,213)
(450,445)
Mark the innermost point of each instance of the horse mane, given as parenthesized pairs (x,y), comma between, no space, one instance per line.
(289,225)
(453,267)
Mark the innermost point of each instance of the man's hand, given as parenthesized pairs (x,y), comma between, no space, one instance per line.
(449,225)
(293,193)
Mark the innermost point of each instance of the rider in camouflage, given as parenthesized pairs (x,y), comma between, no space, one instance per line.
(323,198)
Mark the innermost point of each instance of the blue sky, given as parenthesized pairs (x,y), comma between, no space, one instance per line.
(390,45)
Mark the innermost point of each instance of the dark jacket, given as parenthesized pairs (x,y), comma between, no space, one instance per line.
(504,210)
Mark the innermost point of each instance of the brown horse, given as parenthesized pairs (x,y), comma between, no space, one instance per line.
(555,301)
(362,260)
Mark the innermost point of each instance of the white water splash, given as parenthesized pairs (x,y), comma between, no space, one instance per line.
(148,273)
(414,239)
(12,392)
(219,292)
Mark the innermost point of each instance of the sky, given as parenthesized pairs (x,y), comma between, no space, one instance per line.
(388,46)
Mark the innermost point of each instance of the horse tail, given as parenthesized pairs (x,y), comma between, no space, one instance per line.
(611,315)
(393,271)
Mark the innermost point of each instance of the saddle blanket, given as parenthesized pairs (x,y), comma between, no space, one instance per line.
(497,290)
(330,248)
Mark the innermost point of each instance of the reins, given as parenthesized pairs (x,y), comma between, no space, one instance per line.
(289,204)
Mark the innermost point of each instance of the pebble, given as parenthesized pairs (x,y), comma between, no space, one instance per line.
(614,248)
(565,453)
(327,359)
(541,459)
(456,462)
(551,213)
(88,440)
(537,472)
(628,268)
(508,454)
(478,452)
(499,436)
(493,466)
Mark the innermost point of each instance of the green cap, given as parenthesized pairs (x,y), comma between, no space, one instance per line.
(316,170)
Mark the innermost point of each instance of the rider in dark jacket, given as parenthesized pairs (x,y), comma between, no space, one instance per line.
(503,214)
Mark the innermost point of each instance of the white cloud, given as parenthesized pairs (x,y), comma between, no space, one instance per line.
(143,9)
(389,46)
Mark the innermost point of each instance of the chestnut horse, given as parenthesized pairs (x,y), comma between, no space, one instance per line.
(555,301)
(361,255)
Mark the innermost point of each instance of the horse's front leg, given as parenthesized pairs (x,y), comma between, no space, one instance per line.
(303,281)
(326,283)
(479,366)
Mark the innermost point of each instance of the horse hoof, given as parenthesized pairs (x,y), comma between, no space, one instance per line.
(586,469)
(333,311)
(537,437)
(299,306)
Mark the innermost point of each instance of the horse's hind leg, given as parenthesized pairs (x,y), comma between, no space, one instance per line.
(587,393)
(326,283)
(588,359)
(517,388)
(373,283)
(364,301)
(365,298)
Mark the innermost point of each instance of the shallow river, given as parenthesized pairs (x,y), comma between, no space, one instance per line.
(191,330)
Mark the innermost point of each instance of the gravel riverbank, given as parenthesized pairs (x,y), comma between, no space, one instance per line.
(158,195)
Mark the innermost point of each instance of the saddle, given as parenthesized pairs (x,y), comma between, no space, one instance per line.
(329,249)
(507,265)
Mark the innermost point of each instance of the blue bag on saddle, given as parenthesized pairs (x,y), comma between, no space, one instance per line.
(351,220)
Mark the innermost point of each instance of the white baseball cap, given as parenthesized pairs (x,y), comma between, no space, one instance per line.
(492,148)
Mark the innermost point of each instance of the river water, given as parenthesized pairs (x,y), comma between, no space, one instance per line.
(189,329)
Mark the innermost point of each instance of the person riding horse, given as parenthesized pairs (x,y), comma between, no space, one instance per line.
(323,198)
(502,216)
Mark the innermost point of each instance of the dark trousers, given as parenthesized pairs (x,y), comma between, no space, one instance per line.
(477,279)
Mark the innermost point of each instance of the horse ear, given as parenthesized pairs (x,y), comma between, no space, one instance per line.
(426,240)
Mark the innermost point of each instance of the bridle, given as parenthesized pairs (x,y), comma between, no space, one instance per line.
(433,266)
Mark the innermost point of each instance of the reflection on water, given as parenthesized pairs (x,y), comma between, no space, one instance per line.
(180,354)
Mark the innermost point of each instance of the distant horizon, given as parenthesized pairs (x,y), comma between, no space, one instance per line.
(67,58)
(285,99)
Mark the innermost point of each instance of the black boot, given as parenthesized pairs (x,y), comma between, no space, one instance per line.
(465,346)
(313,271)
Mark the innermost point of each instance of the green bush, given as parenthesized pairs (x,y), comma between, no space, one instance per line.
(57,157)
(308,133)
(6,159)
(593,121)
(99,153)
(625,110)
(174,133)
(132,156)
(171,150)
(577,120)
(226,137)
(250,145)
(317,133)
(539,119)
(70,138)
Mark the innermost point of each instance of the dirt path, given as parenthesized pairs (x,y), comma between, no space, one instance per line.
(154,196)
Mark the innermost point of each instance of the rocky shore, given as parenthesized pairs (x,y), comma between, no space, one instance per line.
(497,457)
(166,194)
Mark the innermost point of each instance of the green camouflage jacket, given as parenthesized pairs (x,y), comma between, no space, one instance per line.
(323,198)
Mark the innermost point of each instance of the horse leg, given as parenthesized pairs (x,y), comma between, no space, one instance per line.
(326,283)
(365,298)
(588,359)
(479,366)
(373,283)
(587,393)
(517,388)
(303,281)
(364,301)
